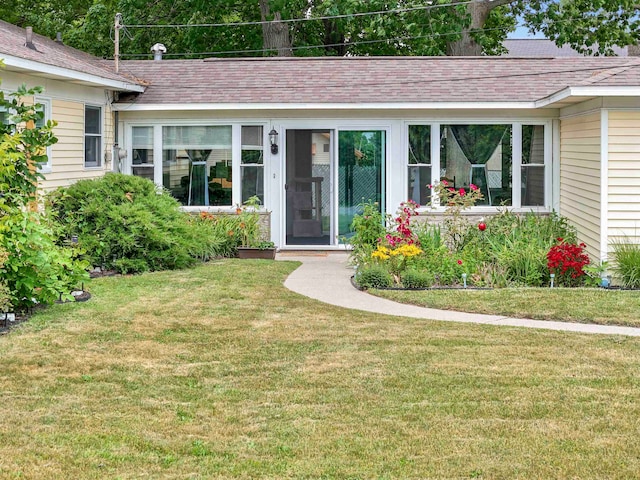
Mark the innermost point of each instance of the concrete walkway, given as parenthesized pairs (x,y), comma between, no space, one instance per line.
(326,277)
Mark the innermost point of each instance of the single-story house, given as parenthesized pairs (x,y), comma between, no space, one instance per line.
(314,137)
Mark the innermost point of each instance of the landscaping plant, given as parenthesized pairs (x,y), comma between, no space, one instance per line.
(626,256)
(33,269)
(369,230)
(128,224)
(567,261)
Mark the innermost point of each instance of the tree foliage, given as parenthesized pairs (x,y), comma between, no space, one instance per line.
(33,268)
(425,27)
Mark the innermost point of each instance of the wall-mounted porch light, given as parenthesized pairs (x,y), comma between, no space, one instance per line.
(273,140)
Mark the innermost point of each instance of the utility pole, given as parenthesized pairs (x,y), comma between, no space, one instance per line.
(116,55)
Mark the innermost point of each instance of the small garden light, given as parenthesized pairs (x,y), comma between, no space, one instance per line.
(464,280)
(553,277)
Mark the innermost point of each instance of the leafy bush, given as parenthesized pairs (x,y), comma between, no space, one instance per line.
(417,279)
(126,223)
(626,255)
(34,269)
(369,229)
(567,261)
(374,276)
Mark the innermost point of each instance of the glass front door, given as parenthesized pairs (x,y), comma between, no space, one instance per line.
(308,182)
(324,192)
(361,160)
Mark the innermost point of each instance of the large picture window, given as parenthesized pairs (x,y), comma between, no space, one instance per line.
(197,164)
(483,155)
(92,136)
(479,155)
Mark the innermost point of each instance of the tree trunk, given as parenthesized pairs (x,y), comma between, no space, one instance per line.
(275,34)
(479,12)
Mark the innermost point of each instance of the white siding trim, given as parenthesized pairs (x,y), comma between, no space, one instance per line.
(604,184)
(65,73)
(516,165)
(555,204)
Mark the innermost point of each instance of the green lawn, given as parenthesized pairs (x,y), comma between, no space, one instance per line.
(220,372)
(584,305)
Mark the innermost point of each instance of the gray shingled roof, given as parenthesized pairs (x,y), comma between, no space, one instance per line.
(373,79)
(543,47)
(49,52)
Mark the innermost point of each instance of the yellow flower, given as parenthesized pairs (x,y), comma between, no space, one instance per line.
(382,253)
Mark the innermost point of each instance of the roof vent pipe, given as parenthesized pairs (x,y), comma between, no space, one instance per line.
(158,50)
(29,42)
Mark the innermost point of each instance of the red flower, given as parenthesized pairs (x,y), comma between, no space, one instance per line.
(461,192)
(473,187)
(459,262)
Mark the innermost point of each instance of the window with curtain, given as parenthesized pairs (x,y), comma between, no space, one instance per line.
(197,164)
(419,164)
(479,155)
(532,177)
(252,163)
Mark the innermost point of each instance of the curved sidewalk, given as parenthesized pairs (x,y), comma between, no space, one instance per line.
(326,277)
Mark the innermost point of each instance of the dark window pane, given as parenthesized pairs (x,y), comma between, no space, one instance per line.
(419,144)
(144,172)
(532,186)
(419,179)
(92,120)
(252,183)
(533,144)
(92,151)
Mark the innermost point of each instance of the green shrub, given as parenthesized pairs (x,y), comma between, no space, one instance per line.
(126,222)
(626,256)
(33,269)
(417,279)
(517,245)
(374,276)
(368,228)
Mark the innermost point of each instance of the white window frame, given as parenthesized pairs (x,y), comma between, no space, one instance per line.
(409,165)
(252,165)
(236,154)
(46,102)
(100,153)
(516,158)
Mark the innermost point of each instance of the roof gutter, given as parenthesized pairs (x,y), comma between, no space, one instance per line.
(155,107)
(65,73)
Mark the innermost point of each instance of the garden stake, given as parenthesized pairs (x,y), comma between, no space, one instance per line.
(464,280)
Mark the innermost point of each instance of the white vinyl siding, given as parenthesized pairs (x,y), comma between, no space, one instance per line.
(68,153)
(624,174)
(580,177)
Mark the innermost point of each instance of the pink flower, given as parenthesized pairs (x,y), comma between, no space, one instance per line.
(452,190)
(461,192)
(444,182)
(473,187)
(430,186)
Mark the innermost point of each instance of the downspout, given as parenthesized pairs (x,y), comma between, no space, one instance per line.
(116,148)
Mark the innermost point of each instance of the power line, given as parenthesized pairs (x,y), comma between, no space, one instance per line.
(307,19)
(303,47)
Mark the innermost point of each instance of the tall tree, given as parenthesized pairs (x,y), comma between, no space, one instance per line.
(410,27)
